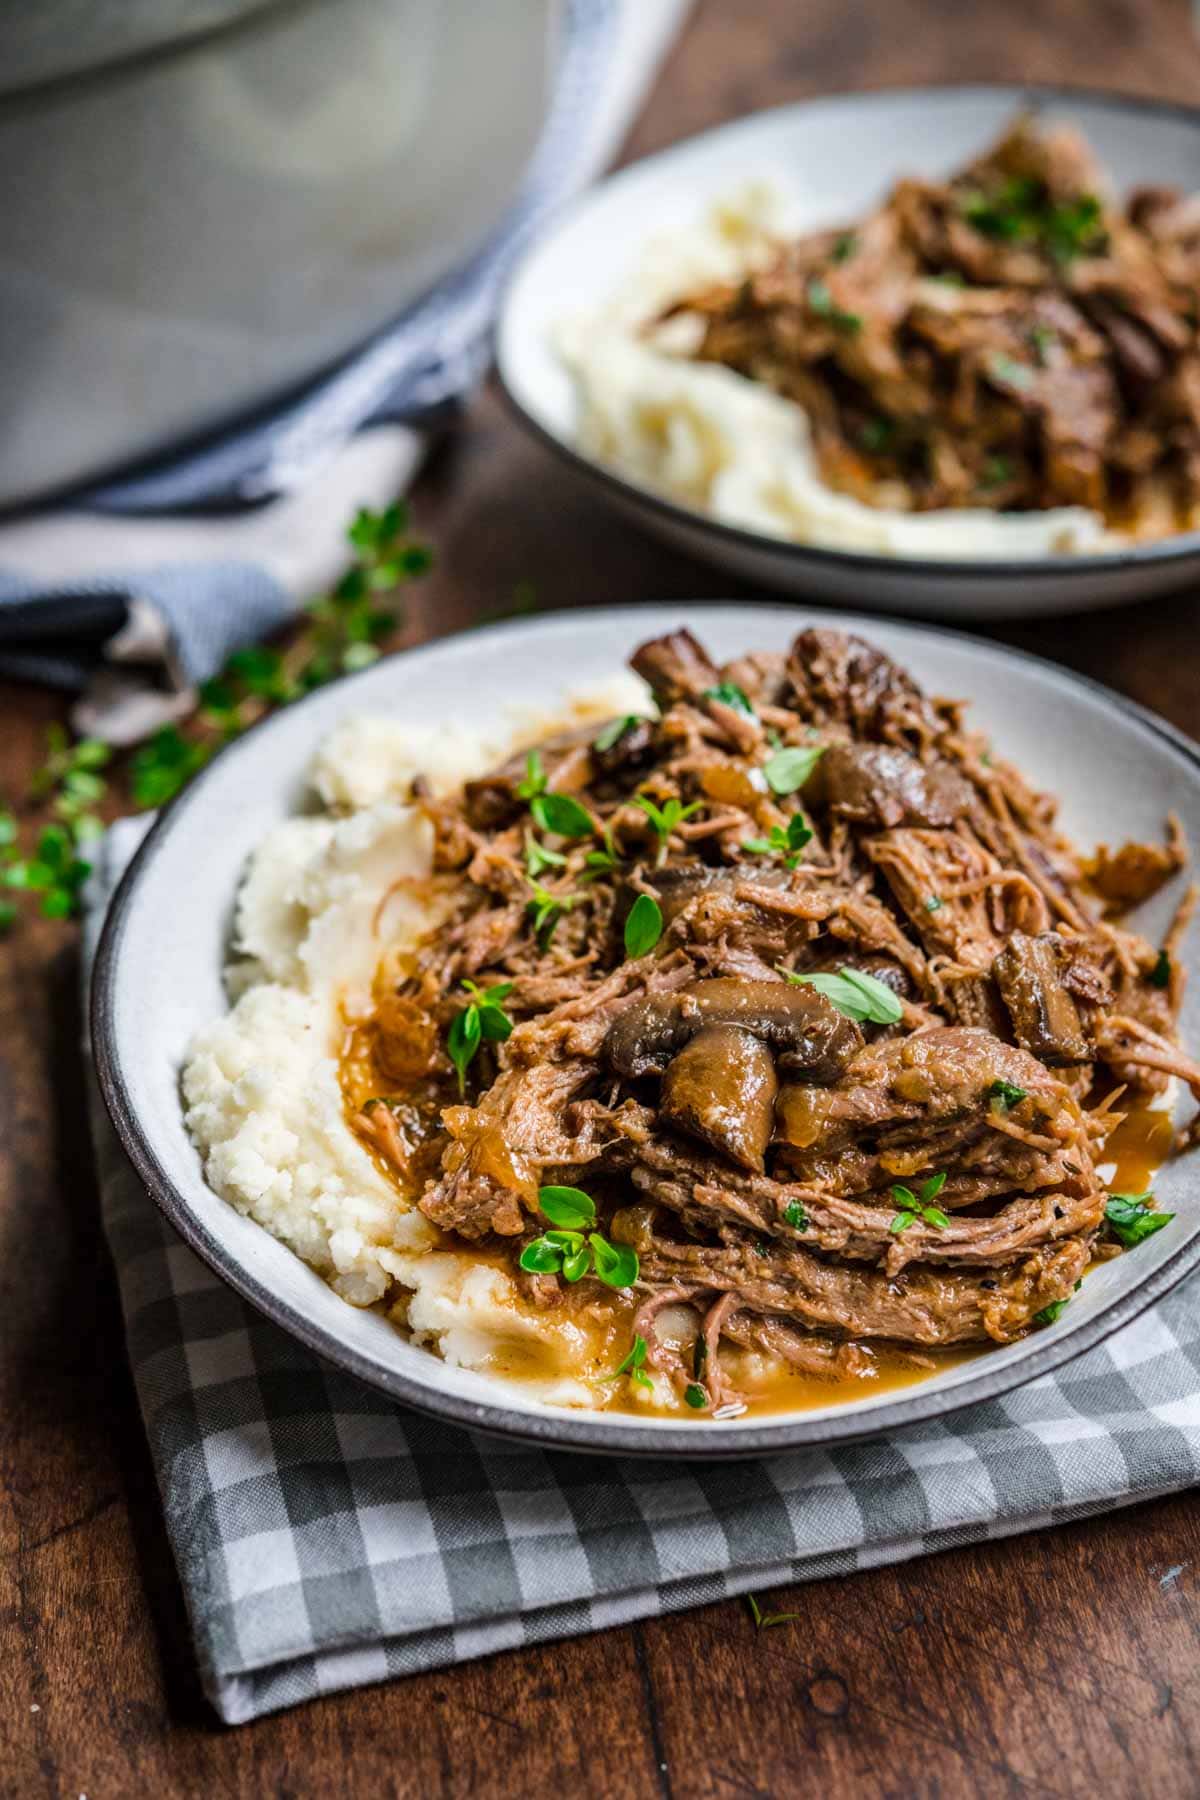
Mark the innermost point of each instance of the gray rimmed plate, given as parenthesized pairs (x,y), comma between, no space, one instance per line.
(833,158)
(158,978)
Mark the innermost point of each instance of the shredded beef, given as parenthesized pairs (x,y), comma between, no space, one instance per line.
(803,1173)
(1011,338)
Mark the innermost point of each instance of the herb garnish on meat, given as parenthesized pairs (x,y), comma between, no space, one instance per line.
(752,1058)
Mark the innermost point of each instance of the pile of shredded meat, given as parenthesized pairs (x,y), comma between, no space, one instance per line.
(813,1174)
(1012,338)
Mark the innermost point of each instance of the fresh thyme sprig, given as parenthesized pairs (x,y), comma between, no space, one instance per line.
(341,634)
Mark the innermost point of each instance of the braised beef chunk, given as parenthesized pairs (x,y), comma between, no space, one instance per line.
(878,786)
(1009,338)
(565,759)
(675,667)
(1045,1018)
(768,1035)
(839,678)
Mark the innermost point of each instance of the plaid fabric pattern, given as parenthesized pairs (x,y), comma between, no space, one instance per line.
(326,1537)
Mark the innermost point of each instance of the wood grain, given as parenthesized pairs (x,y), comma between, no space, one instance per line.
(1063,1663)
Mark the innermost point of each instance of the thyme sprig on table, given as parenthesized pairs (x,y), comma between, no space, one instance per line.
(75,785)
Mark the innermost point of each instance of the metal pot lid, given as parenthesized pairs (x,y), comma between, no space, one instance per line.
(55,39)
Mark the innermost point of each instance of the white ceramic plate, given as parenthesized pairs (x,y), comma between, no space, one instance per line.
(159,976)
(833,158)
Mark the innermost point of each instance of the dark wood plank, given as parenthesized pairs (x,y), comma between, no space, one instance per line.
(1061,1663)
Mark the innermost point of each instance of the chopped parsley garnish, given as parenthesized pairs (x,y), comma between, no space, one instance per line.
(919,1205)
(695,1395)
(484,1018)
(1053,1312)
(784,840)
(795,1216)
(566,1251)
(823,304)
(1160,974)
(1131,1219)
(1004,1095)
(859,995)
(788,770)
(730,694)
(643,927)
(665,818)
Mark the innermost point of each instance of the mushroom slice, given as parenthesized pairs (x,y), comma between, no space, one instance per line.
(811,1038)
(721,1088)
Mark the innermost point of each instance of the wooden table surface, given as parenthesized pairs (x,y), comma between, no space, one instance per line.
(1060,1663)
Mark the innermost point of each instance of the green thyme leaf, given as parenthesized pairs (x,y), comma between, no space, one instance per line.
(567,1206)
(901,1222)
(576,1264)
(616,1264)
(858,995)
(878,435)
(1049,1314)
(535,777)
(1004,1095)
(538,858)
(643,927)
(996,471)
(542,1257)
(788,770)
(634,1358)
(1132,1219)
(795,1216)
(665,818)
(934,903)
(786,841)
(614,732)
(729,694)
(1160,974)
(1008,371)
(560,814)
(494,1023)
(823,304)
(463,1040)
(695,1395)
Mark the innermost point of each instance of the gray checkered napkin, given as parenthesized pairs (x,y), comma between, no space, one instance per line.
(325,1537)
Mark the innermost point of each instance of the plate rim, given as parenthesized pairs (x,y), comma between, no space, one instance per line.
(582,1431)
(1175,549)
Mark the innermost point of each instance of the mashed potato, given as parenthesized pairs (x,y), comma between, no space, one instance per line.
(728,446)
(261,1084)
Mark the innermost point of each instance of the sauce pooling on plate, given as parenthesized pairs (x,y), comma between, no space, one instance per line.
(773,1049)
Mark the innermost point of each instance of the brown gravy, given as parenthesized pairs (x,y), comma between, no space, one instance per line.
(1138,1146)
